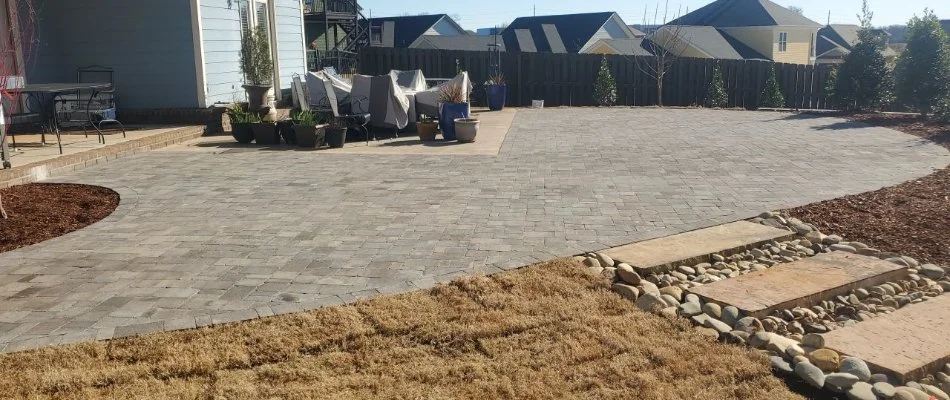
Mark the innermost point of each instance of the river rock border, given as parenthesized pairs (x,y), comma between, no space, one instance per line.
(791,339)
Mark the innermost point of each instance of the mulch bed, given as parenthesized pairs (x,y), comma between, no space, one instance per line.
(912,218)
(39,212)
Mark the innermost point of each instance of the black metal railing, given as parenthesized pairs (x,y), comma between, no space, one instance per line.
(344,62)
(335,6)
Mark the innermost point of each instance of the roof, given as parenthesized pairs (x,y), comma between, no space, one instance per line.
(628,47)
(741,13)
(839,39)
(466,43)
(636,31)
(574,30)
(408,29)
(714,42)
(945,23)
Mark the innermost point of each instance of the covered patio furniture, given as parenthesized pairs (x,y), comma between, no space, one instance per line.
(330,105)
(317,88)
(388,104)
(359,100)
(411,81)
(427,101)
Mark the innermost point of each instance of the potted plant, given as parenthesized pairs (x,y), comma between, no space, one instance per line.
(466,129)
(265,133)
(241,121)
(428,128)
(308,130)
(452,97)
(496,92)
(258,68)
(336,133)
(286,130)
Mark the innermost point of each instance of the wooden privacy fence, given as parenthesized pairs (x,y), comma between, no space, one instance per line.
(568,79)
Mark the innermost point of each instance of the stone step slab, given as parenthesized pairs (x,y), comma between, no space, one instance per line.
(909,343)
(690,248)
(802,283)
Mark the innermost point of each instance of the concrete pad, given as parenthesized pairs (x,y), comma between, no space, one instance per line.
(666,253)
(909,343)
(802,283)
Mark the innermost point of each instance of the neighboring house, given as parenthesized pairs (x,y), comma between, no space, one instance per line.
(402,32)
(703,42)
(466,42)
(945,23)
(575,33)
(836,41)
(168,54)
(636,32)
(334,25)
(627,47)
(773,32)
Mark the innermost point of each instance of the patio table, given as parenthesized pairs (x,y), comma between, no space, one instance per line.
(46,94)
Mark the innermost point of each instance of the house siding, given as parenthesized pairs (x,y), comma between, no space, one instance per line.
(221,30)
(765,41)
(444,28)
(611,30)
(149,44)
(290,42)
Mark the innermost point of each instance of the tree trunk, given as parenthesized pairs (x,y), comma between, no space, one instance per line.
(659,90)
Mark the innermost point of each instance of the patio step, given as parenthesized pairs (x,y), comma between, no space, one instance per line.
(802,283)
(909,343)
(666,253)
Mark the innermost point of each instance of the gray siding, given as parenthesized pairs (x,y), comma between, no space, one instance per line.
(290,42)
(149,43)
(221,30)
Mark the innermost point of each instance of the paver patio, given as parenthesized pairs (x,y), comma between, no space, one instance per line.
(253,233)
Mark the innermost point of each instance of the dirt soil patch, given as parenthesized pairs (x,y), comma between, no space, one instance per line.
(911,218)
(543,332)
(39,212)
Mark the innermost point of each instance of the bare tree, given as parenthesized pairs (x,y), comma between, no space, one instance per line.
(797,10)
(666,44)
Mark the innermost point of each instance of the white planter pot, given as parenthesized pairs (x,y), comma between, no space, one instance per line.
(466,129)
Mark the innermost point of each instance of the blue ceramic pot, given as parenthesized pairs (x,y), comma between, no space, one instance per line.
(497,95)
(451,111)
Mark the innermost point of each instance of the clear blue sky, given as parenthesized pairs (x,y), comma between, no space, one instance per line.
(486,13)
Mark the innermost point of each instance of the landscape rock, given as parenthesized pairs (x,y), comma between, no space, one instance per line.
(810,374)
(628,292)
(825,359)
(718,325)
(670,300)
(883,389)
(760,339)
(857,367)
(673,291)
(712,310)
(730,315)
(814,340)
(689,309)
(780,365)
(748,324)
(605,260)
(709,333)
(628,275)
(595,270)
(649,287)
(906,392)
(651,302)
(861,391)
(692,298)
(842,247)
(935,392)
(932,271)
(669,312)
(840,381)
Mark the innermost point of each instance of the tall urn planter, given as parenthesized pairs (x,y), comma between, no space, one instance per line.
(450,112)
(496,92)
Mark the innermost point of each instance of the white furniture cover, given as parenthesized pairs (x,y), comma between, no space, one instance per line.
(427,101)
(411,81)
(388,104)
(317,91)
(359,97)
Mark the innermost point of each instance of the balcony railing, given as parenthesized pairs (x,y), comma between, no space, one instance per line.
(343,61)
(332,6)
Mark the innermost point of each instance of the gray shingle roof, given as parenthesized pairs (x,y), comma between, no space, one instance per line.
(575,30)
(714,42)
(466,43)
(628,47)
(408,29)
(739,13)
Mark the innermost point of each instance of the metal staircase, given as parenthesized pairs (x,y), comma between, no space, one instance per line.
(340,51)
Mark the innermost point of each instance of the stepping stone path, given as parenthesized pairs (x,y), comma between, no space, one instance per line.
(666,253)
(839,315)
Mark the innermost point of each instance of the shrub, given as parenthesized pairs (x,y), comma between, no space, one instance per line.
(923,72)
(716,96)
(863,78)
(605,90)
(256,63)
(772,95)
(829,88)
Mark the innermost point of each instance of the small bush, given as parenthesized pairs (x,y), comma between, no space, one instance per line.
(923,72)
(772,96)
(605,90)
(716,96)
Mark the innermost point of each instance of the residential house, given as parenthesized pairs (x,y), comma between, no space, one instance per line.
(574,33)
(627,47)
(945,23)
(836,41)
(166,54)
(335,31)
(403,32)
(463,42)
(703,42)
(773,32)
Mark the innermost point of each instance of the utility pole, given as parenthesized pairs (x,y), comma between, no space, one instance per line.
(829,17)
(535,10)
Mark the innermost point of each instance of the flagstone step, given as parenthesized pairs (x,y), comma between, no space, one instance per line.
(663,254)
(802,283)
(909,344)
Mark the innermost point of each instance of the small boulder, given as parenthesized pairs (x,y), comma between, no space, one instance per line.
(760,339)
(689,309)
(748,324)
(935,392)
(827,360)
(810,374)
(883,389)
(628,275)
(840,381)
(649,287)
(780,365)
(861,391)
(730,315)
(814,340)
(907,392)
(651,302)
(670,300)
(628,292)
(605,260)
(718,325)
(674,292)
(712,310)
(932,271)
(857,367)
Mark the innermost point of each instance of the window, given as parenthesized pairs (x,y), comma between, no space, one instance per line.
(782,42)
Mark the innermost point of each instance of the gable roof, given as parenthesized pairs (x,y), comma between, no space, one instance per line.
(945,23)
(839,39)
(637,33)
(465,43)
(741,13)
(627,47)
(408,29)
(574,30)
(713,42)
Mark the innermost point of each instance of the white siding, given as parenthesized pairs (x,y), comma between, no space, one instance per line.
(290,41)
(221,27)
(444,28)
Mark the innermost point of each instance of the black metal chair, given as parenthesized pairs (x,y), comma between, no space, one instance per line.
(331,106)
(93,108)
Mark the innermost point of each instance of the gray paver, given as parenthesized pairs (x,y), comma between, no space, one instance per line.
(201,233)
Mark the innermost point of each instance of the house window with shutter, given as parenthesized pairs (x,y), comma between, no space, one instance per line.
(782,42)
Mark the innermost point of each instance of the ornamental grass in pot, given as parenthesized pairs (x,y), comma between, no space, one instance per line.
(496,92)
(336,133)
(241,121)
(454,105)
(309,129)
(428,128)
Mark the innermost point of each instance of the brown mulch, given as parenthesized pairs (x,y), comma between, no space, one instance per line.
(39,212)
(912,218)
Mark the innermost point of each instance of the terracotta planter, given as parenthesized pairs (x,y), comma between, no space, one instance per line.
(311,137)
(427,131)
(265,133)
(258,96)
(242,132)
(466,129)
